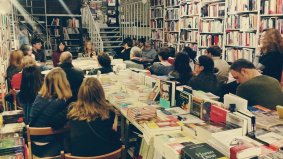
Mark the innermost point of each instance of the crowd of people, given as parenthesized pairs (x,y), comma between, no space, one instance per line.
(64,95)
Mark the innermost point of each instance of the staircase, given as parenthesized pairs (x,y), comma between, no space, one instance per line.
(111,38)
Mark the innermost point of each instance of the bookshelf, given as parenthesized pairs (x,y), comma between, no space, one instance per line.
(172,28)
(67,29)
(236,26)
(5,49)
(157,15)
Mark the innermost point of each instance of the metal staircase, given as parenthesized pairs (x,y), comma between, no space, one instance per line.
(104,38)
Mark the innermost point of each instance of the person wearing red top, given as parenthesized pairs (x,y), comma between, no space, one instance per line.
(61,47)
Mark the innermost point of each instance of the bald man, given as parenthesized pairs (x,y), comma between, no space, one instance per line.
(75,76)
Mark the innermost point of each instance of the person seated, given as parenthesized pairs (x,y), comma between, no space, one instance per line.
(105,62)
(162,68)
(192,54)
(27,50)
(15,66)
(75,76)
(127,45)
(256,88)
(172,52)
(50,110)
(89,50)
(135,59)
(182,71)
(92,122)
(222,66)
(38,51)
(148,53)
(205,80)
(61,47)
(31,82)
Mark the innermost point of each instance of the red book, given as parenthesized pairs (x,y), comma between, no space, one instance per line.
(218,114)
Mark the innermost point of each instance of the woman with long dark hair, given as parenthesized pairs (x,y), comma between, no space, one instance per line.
(61,47)
(182,70)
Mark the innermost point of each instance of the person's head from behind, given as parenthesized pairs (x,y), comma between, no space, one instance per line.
(31,82)
(272,41)
(28,61)
(141,42)
(91,103)
(56,85)
(182,63)
(66,57)
(204,64)
(36,43)
(136,52)
(26,49)
(214,51)
(104,60)
(127,43)
(135,42)
(163,54)
(192,54)
(61,46)
(243,70)
(16,58)
(172,51)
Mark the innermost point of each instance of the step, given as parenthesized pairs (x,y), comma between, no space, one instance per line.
(112,41)
(110,28)
(111,36)
(110,47)
(110,32)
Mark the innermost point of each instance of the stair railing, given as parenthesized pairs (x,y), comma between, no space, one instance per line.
(93,29)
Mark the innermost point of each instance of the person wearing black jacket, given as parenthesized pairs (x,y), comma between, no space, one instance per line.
(75,76)
(105,63)
(205,80)
(125,54)
(50,110)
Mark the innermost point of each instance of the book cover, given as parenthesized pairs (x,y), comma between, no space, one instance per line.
(167,93)
(218,114)
(201,151)
(183,100)
(196,107)
(206,108)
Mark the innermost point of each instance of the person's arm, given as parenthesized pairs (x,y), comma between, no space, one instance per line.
(59,120)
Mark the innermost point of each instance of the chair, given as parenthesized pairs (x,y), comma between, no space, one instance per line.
(112,155)
(32,131)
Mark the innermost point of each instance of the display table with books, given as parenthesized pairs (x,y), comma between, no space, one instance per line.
(194,126)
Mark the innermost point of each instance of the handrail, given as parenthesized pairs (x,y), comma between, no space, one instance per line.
(92,26)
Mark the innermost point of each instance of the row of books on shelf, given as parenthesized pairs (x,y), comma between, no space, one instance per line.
(247,39)
(267,23)
(242,22)
(209,40)
(233,54)
(157,44)
(191,22)
(172,14)
(271,7)
(213,10)
(242,6)
(157,35)
(158,23)
(172,3)
(190,9)
(156,2)
(184,44)
(171,37)
(191,36)
(214,26)
(157,13)
(72,22)
(172,26)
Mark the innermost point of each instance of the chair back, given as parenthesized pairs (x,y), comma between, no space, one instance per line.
(36,131)
(112,155)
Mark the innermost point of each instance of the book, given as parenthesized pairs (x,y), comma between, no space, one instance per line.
(200,151)
(241,104)
(167,93)
(184,100)
(238,120)
(218,114)
(196,107)
(15,116)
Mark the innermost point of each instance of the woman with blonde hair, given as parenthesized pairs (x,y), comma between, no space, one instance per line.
(50,110)
(89,50)
(91,121)
(271,59)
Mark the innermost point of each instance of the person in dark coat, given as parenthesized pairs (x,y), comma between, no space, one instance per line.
(75,76)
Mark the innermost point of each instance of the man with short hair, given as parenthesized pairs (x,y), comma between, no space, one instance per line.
(148,53)
(258,89)
(75,76)
(127,44)
(37,50)
(222,66)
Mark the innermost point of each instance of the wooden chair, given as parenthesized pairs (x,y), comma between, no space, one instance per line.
(32,131)
(112,155)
